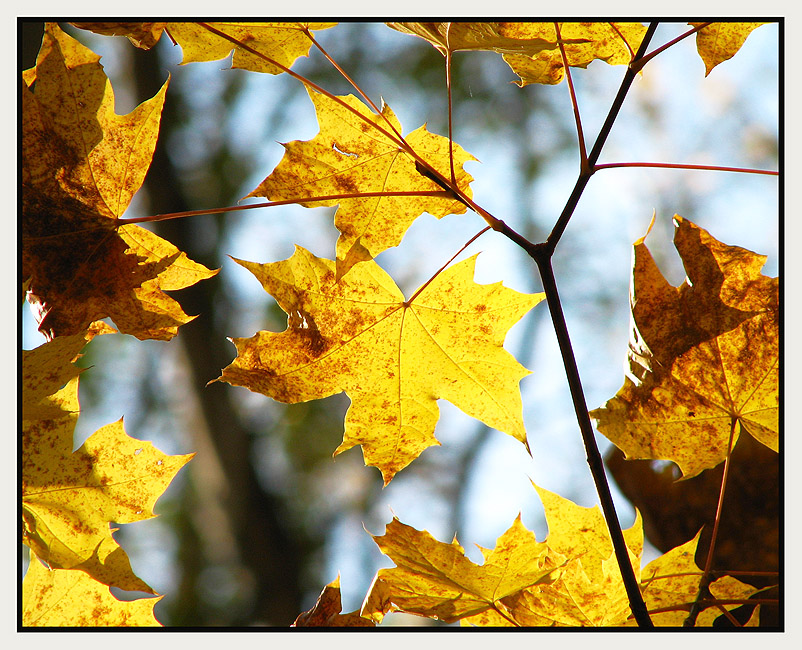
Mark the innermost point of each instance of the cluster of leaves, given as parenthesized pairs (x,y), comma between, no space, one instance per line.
(703,356)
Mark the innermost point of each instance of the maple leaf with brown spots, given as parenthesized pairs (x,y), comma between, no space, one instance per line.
(81,165)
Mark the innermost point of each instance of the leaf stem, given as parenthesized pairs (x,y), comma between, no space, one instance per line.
(399,140)
(353,83)
(714,168)
(588,170)
(442,268)
(270,204)
(583,154)
(594,457)
(707,576)
(450,120)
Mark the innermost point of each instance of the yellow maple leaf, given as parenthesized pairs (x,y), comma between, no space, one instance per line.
(505,38)
(70,498)
(66,598)
(327,611)
(81,165)
(703,356)
(531,49)
(281,42)
(394,358)
(589,590)
(613,43)
(720,41)
(437,580)
(48,367)
(670,585)
(350,156)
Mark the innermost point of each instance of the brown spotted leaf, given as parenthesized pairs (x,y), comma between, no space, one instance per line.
(703,356)
(437,580)
(81,165)
(65,598)
(350,155)
(721,41)
(69,499)
(393,358)
(531,49)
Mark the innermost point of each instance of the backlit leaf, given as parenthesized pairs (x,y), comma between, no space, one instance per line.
(81,165)
(702,356)
(531,49)
(588,590)
(143,35)
(720,41)
(350,156)
(49,367)
(504,38)
(327,611)
(613,43)
(671,583)
(436,580)
(394,359)
(70,498)
(65,598)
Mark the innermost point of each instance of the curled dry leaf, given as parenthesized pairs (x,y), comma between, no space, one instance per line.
(81,165)
(703,356)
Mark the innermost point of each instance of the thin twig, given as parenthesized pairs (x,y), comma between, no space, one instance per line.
(595,152)
(270,204)
(645,59)
(542,254)
(442,268)
(594,458)
(583,154)
(353,83)
(450,122)
(707,576)
(712,168)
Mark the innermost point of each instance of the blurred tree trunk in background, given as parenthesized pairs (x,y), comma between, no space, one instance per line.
(268,554)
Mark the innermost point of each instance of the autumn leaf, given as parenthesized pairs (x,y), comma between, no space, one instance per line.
(281,42)
(81,165)
(327,611)
(351,156)
(703,356)
(531,49)
(70,498)
(670,584)
(437,580)
(588,590)
(505,38)
(50,366)
(394,358)
(142,35)
(720,41)
(613,43)
(65,598)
